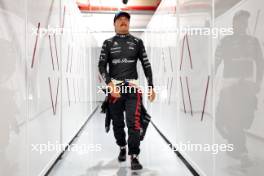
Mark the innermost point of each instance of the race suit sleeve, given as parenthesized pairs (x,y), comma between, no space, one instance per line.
(145,63)
(103,60)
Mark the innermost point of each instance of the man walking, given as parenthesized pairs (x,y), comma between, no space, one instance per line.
(122,52)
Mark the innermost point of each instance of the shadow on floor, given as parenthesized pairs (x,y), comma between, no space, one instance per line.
(115,168)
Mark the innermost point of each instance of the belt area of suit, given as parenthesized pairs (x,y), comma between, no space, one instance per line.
(131,82)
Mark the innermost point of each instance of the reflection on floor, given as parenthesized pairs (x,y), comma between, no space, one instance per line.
(100,160)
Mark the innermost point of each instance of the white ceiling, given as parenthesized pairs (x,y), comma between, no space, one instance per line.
(104,21)
(101,24)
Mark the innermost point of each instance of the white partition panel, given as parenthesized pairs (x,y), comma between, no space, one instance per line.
(47,82)
(239,90)
(13,89)
(210,96)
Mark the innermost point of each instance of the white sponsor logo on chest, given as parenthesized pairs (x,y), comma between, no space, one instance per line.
(131,48)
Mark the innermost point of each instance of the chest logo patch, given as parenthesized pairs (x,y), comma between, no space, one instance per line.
(131,48)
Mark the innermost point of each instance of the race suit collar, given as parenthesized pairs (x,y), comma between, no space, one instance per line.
(122,35)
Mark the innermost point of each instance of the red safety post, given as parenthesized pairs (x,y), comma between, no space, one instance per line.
(54,105)
(205,97)
(57,93)
(51,97)
(182,52)
(189,51)
(52,61)
(189,95)
(35,47)
(63,19)
(183,96)
(56,51)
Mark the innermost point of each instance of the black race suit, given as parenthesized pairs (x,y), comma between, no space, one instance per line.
(121,53)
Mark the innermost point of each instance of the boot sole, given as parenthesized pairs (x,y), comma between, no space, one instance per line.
(136,167)
(121,159)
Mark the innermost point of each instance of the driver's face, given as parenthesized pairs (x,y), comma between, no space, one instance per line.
(122,25)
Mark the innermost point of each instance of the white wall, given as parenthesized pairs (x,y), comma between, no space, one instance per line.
(27,115)
(164,48)
(244,127)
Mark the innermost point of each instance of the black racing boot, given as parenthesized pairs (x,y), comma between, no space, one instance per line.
(122,154)
(135,165)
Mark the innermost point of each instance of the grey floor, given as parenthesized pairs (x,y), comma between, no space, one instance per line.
(100,158)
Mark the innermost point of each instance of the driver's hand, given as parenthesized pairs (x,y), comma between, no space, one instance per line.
(114,91)
(151,95)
